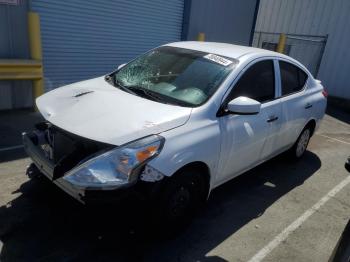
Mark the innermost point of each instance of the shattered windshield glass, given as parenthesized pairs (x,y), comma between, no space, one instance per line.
(175,75)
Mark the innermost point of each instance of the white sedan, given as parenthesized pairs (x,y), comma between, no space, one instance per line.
(176,122)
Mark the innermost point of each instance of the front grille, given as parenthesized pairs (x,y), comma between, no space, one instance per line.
(67,150)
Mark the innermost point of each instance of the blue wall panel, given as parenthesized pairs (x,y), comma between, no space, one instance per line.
(228,21)
(84,39)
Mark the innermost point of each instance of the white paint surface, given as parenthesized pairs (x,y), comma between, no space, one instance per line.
(96,110)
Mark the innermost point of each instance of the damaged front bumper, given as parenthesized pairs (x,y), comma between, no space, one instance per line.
(53,172)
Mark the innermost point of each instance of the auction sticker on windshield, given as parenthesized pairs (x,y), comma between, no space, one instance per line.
(218,59)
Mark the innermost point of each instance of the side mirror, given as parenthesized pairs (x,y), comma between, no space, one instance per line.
(120,66)
(244,106)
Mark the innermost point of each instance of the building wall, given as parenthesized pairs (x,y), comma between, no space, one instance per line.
(229,21)
(14,45)
(315,17)
(84,39)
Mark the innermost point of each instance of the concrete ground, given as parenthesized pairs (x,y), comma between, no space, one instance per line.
(280,211)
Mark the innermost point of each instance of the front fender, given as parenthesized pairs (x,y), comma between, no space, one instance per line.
(187,144)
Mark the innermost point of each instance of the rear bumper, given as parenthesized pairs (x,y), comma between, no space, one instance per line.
(85,196)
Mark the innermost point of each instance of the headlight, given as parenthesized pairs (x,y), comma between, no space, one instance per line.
(115,168)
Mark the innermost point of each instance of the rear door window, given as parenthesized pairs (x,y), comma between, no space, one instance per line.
(258,82)
(292,78)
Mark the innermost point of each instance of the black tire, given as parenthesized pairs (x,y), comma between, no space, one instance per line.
(299,147)
(181,198)
(33,172)
(347,164)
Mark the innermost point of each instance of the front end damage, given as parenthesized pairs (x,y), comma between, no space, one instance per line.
(56,152)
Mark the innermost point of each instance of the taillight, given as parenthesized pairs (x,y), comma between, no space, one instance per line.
(324,93)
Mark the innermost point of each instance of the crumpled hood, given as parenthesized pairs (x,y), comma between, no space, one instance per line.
(96,110)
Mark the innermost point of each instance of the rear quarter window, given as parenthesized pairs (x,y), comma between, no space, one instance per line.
(293,78)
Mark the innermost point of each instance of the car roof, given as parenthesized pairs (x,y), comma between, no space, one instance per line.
(228,50)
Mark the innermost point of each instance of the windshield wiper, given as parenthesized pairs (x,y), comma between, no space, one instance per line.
(159,97)
(145,92)
(140,91)
(116,82)
(113,81)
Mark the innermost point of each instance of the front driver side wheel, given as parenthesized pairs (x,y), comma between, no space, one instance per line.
(181,198)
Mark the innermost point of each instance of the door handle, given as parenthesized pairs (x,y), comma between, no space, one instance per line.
(308,106)
(271,119)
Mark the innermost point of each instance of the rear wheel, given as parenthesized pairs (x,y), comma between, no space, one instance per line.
(33,172)
(299,148)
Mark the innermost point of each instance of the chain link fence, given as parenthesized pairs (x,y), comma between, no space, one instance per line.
(308,49)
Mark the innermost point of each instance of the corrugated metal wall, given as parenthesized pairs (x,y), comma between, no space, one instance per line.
(315,17)
(83,39)
(305,48)
(14,45)
(229,21)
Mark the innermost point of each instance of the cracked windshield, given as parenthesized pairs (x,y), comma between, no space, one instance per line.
(174,75)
